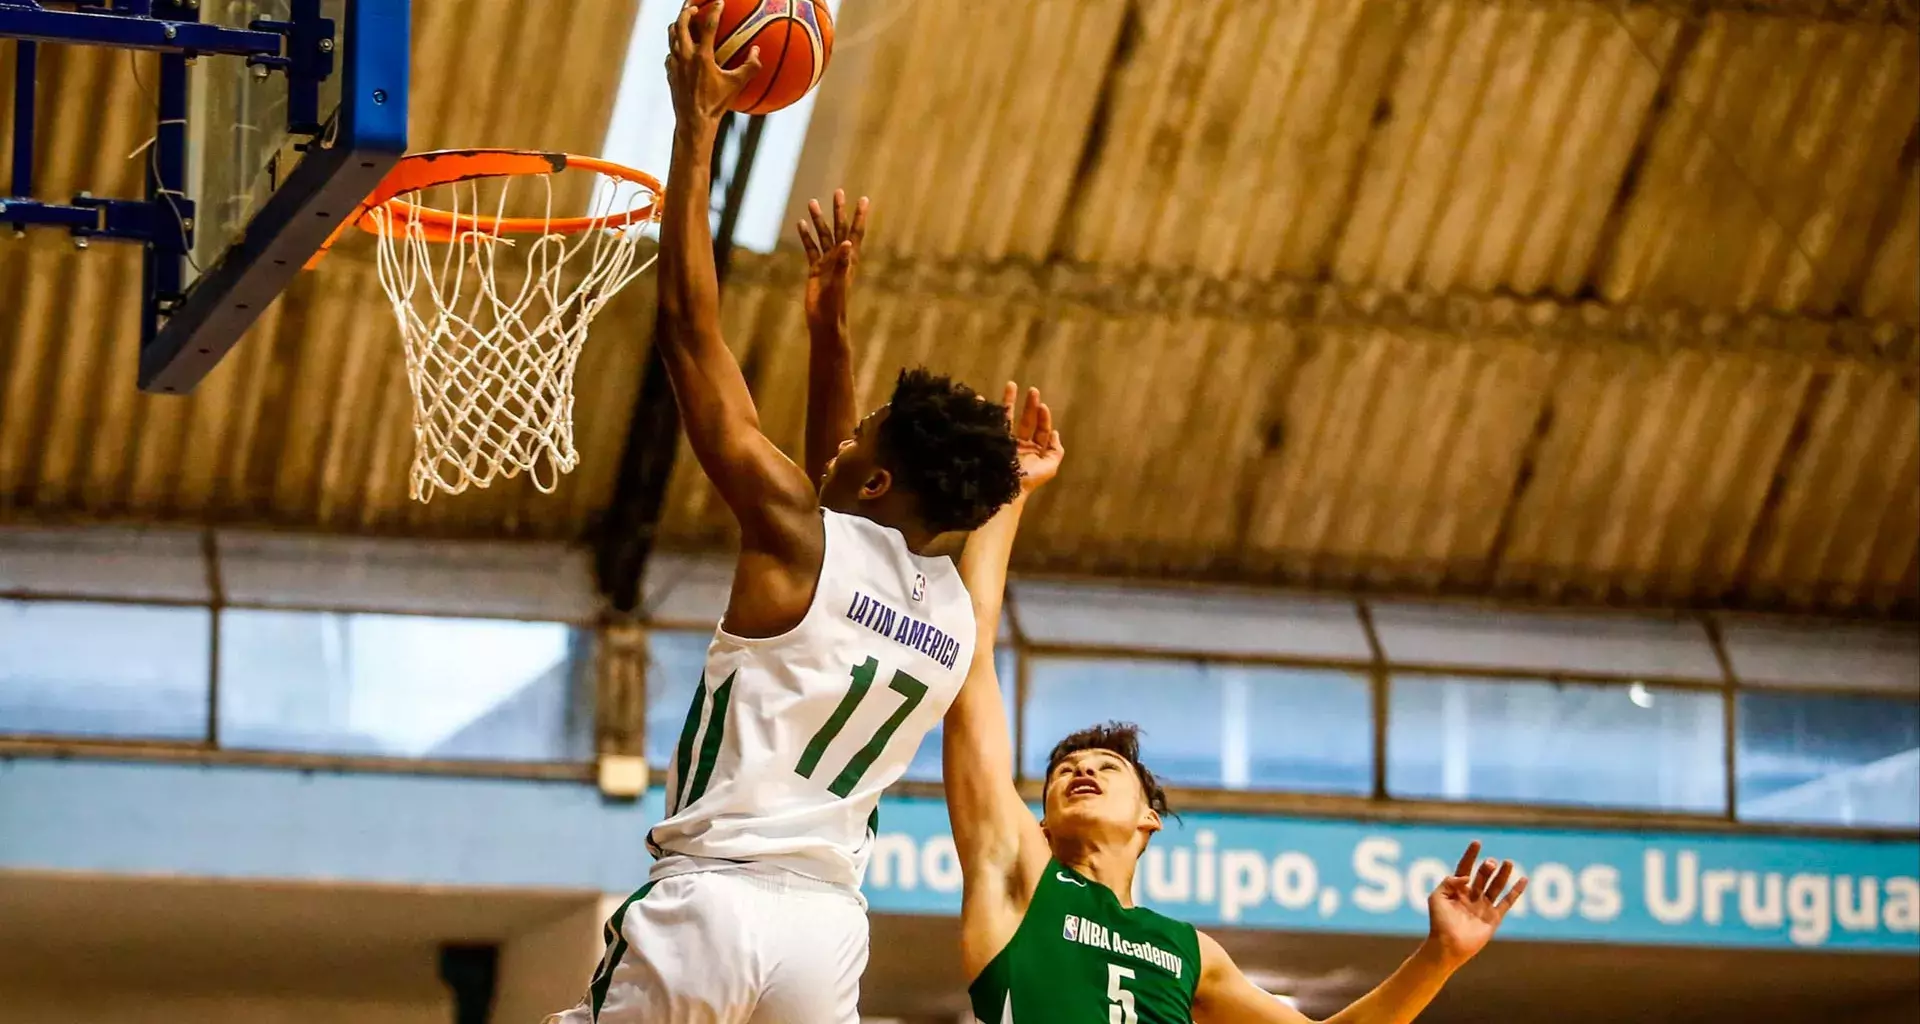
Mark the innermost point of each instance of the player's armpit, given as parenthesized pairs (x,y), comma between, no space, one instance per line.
(1225,996)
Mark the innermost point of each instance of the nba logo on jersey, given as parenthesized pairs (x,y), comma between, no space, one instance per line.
(919,586)
(1071,929)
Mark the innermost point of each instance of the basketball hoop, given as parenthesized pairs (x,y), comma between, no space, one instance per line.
(490,364)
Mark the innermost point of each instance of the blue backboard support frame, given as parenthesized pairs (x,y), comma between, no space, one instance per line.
(323,189)
(187,329)
(168,26)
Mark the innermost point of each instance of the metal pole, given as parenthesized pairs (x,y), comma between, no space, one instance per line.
(1022,669)
(1379,696)
(1730,715)
(25,68)
(735,194)
(217,609)
(166,174)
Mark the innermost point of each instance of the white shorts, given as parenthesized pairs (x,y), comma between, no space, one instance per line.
(747,945)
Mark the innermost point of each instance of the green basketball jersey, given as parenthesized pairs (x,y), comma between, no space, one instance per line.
(1079,957)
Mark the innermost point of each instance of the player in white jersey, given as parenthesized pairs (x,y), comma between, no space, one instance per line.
(844,640)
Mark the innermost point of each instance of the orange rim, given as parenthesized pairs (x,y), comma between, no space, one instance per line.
(448,166)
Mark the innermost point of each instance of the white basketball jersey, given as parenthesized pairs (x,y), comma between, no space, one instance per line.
(791,739)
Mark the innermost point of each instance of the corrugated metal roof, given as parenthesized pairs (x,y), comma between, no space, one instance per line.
(1346,438)
(1564,148)
(1567,300)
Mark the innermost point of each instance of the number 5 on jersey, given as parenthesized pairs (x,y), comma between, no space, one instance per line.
(912,692)
(1120,1009)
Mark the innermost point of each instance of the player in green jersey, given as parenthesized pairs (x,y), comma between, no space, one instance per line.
(1049,933)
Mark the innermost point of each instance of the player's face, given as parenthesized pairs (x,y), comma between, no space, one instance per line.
(854,473)
(1096,791)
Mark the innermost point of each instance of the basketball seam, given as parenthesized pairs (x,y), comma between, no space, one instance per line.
(817,43)
(775,76)
(749,26)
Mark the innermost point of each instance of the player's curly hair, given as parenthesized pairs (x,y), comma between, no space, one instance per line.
(950,448)
(1119,738)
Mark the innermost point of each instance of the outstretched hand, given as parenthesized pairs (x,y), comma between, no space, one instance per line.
(1467,908)
(701,88)
(1038,444)
(833,250)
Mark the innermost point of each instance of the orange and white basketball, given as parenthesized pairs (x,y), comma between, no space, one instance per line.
(795,38)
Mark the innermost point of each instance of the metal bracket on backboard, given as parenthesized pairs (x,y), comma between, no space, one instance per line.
(163,221)
(307,62)
(185,331)
(131,25)
(366,137)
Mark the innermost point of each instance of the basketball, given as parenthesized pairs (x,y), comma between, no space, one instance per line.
(795,38)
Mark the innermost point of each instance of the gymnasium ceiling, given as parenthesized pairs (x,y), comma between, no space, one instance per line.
(1562,301)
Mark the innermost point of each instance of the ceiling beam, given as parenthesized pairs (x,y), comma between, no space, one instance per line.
(1061,288)
(1904,13)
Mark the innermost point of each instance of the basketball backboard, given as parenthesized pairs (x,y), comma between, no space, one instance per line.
(275,118)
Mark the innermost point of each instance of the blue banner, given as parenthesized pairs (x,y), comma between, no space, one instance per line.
(1655,888)
(1248,871)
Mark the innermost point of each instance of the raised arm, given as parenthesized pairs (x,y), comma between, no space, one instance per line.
(833,250)
(1463,913)
(1000,845)
(781,537)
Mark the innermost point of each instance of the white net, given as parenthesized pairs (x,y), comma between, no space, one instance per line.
(493,326)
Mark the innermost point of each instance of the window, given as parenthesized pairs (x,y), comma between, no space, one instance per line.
(1817,654)
(1212,725)
(1203,622)
(403,686)
(1305,730)
(72,668)
(1631,746)
(1604,645)
(1829,759)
